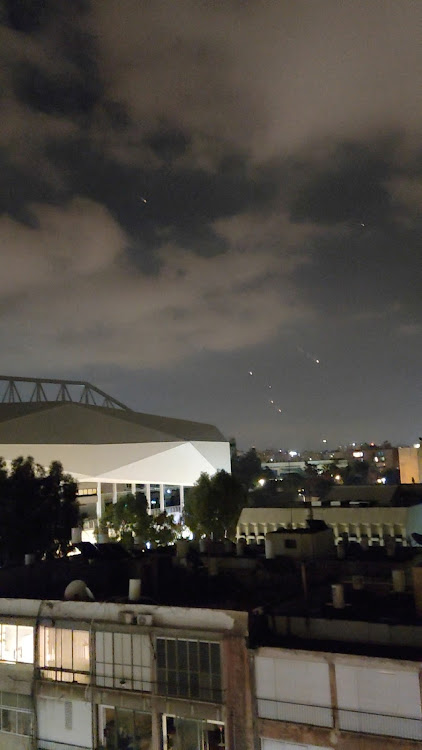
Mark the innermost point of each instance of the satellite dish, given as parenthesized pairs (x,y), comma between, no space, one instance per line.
(78,591)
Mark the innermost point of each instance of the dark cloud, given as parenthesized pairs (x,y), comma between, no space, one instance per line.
(349,187)
(168,143)
(25,15)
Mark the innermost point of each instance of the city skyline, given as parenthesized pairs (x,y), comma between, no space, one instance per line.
(193,192)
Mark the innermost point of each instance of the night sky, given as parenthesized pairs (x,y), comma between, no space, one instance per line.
(192,190)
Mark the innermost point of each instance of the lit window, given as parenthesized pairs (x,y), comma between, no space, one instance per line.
(189,669)
(17,643)
(64,654)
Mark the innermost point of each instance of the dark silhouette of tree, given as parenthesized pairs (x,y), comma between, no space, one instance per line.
(213,505)
(247,468)
(37,509)
(355,472)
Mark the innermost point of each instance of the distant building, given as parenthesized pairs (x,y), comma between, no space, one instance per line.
(315,540)
(284,468)
(108,448)
(410,465)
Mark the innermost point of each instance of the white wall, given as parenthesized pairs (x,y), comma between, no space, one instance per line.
(52,721)
(287,685)
(392,694)
(173,463)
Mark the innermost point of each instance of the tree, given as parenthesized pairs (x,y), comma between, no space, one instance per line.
(213,505)
(129,518)
(37,509)
(247,468)
(355,472)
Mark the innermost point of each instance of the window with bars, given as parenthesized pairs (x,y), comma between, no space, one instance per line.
(123,660)
(64,654)
(189,669)
(17,643)
(15,714)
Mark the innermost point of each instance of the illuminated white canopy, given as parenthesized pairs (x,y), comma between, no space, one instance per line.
(96,443)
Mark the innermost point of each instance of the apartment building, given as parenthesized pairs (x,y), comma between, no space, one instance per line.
(86,675)
(300,673)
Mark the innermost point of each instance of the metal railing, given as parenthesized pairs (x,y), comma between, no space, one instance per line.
(54,745)
(383,724)
(170,510)
(298,713)
(350,720)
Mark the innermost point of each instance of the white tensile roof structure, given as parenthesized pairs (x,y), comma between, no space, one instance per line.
(109,443)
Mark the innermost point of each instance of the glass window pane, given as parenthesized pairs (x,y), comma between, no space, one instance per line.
(9,699)
(127,648)
(24,701)
(161,652)
(172,682)
(143,731)
(171,654)
(25,652)
(182,654)
(81,650)
(67,661)
(9,644)
(118,648)
(24,723)
(8,720)
(109,728)
(193,656)
(215,657)
(99,646)
(50,648)
(162,681)
(194,685)
(136,650)
(125,729)
(57,634)
(108,648)
(41,645)
(204,657)
(183,685)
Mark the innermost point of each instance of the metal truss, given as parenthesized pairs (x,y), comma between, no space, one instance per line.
(36,390)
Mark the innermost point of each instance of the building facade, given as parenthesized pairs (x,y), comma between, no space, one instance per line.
(91,676)
(108,448)
(108,676)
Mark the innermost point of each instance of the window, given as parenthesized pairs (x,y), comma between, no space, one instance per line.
(123,660)
(64,654)
(122,728)
(189,669)
(192,734)
(290,543)
(17,643)
(15,714)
